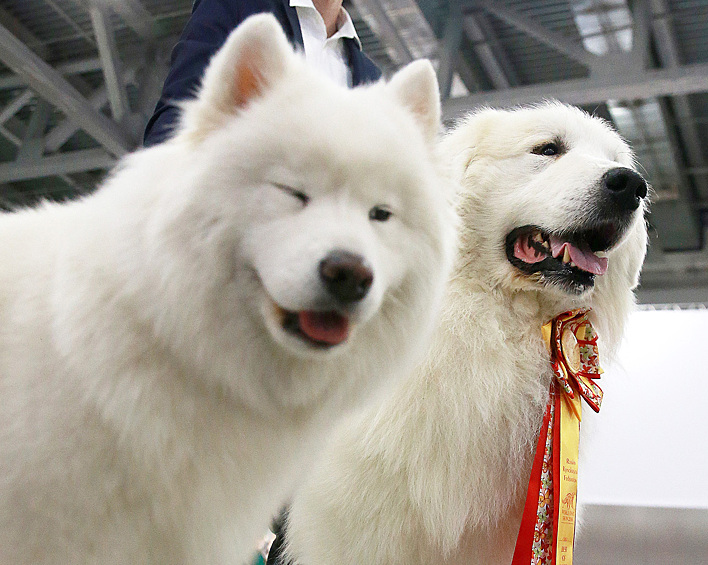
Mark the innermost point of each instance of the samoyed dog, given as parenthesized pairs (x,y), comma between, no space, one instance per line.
(552,219)
(173,347)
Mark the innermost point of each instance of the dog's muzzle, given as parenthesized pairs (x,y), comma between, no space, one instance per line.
(571,259)
(346,279)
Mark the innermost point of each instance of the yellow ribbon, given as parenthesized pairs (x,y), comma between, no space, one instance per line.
(568,471)
(572,343)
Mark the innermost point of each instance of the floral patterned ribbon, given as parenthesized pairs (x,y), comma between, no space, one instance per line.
(547,529)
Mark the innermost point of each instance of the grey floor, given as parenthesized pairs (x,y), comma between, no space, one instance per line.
(620,535)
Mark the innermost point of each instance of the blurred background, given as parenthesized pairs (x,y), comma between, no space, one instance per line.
(79,79)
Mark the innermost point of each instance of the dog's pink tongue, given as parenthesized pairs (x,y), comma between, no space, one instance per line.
(326,327)
(583,258)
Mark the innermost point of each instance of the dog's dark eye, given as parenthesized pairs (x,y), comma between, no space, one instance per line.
(380,214)
(301,196)
(547,149)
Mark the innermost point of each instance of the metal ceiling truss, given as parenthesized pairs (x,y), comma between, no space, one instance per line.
(682,80)
(8,21)
(46,89)
(491,55)
(450,52)
(54,88)
(615,76)
(668,53)
(108,53)
(377,18)
(401,28)
(554,40)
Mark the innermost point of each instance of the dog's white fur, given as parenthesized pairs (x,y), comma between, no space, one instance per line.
(153,409)
(437,474)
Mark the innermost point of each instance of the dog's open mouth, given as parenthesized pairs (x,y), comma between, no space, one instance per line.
(570,260)
(318,329)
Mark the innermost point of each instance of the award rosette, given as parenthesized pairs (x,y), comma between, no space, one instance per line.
(547,529)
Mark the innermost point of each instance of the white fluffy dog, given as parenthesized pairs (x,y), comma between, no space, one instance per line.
(173,347)
(552,219)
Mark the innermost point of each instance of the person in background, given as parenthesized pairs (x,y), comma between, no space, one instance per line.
(322,28)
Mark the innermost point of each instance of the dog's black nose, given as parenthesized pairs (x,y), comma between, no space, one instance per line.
(625,187)
(346,276)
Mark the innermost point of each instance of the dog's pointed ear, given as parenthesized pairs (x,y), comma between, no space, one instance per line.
(256,56)
(416,86)
(252,60)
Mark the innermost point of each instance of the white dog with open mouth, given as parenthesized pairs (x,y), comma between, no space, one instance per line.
(552,219)
(174,347)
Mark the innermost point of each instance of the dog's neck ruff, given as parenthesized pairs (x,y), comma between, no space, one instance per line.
(547,529)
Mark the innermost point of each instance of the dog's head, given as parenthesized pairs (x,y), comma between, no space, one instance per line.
(552,203)
(324,204)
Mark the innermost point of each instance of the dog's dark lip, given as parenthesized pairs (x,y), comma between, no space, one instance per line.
(598,237)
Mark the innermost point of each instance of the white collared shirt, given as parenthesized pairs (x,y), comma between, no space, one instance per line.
(325,54)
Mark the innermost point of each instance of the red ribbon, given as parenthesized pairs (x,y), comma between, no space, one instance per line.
(572,344)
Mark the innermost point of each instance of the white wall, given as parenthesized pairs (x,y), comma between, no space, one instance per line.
(649,443)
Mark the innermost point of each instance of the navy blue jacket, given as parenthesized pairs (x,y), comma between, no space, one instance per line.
(206,31)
